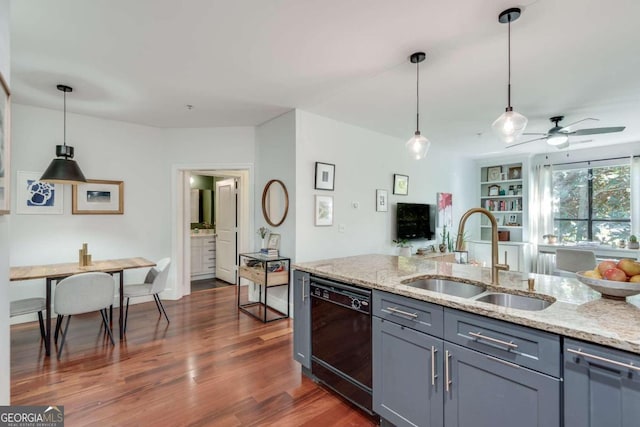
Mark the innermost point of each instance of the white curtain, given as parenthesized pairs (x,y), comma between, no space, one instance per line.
(540,212)
(635,195)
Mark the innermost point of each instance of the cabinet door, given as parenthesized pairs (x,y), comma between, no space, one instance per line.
(407,375)
(485,391)
(196,259)
(301,318)
(599,390)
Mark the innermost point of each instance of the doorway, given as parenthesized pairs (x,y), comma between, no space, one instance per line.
(237,237)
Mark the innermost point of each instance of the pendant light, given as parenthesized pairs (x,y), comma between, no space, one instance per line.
(510,125)
(64,170)
(418,145)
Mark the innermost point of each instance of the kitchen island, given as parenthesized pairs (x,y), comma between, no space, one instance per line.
(564,349)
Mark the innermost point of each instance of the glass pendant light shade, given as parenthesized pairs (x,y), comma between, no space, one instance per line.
(509,126)
(418,146)
(62,169)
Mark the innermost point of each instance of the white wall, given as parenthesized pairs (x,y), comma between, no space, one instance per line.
(5,341)
(141,156)
(275,159)
(366,161)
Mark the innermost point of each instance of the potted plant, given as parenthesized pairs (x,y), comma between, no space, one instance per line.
(633,242)
(262,232)
(405,247)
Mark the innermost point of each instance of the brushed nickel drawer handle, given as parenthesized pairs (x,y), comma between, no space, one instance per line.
(394,310)
(303,295)
(447,378)
(603,359)
(479,336)
(433,366)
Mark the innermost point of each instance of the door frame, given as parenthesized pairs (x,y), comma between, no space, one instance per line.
(180,279)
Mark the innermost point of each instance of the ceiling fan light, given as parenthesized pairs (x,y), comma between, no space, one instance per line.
(418,146)
(509,126)
(563,145)
(557,140)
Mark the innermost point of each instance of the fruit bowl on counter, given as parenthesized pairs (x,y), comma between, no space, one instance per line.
(613,279)
(609,288)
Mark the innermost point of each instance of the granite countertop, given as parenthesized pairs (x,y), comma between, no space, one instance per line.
(578,311)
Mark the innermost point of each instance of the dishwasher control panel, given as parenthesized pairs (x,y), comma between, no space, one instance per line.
(343,297)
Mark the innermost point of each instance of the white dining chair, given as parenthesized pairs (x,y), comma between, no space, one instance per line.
(28,306)
(84,293)
(570,261)
(154,283)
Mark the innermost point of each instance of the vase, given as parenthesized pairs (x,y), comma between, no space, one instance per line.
(406,252)
(634,245)
(264,243)
(442,247)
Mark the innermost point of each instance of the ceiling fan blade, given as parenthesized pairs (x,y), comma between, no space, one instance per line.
(595,131)
(525,142)
(535,133)
(579,121)
(584,141)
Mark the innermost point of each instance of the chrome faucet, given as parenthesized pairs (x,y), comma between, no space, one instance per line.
(495,265)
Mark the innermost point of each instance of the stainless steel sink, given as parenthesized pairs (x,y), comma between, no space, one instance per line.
(449,287)
(515,301)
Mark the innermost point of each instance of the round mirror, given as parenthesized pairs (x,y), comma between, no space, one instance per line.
(275,202)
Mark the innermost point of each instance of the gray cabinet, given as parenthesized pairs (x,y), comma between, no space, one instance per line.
(601,386)
(467,370)
(301,319)
(407,375)
(484,391)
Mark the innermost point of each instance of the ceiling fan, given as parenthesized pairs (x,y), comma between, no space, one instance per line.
(558,136)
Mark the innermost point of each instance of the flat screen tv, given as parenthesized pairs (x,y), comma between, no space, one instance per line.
(415,221)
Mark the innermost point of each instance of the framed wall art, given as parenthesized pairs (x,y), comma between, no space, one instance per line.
(382,202)
(445,210)
(98,197)
(274,241)
(400,184)
(35,197)
(5,147)
(325,176)
(494,173)
(515,172)
(324,210)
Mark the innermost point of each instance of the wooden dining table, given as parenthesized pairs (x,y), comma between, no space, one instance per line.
(56,272)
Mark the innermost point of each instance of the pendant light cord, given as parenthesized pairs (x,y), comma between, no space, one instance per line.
(417,97)
(509,67)
(64,121)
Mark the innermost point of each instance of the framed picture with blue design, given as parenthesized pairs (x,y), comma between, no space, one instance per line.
(36,197)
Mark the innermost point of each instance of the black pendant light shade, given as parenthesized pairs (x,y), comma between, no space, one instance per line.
(62,169)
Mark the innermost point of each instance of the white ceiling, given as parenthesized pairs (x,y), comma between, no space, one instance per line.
(243,62)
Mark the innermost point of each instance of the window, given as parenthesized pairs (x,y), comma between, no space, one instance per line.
(592,203)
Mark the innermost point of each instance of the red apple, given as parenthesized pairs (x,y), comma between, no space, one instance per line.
(615,274)
(606,265)
(629,266)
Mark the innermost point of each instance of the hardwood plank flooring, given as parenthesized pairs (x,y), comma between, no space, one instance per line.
(211,366)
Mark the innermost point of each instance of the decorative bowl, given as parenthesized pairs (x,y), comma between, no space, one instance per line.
(609,288)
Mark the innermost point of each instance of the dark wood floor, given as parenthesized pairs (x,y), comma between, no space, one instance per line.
(212,366)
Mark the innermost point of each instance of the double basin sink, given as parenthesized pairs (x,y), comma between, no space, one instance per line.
(480,293)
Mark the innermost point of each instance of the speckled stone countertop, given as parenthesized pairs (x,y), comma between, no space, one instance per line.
(578,311)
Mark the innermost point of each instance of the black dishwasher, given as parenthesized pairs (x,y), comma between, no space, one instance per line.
(341,339)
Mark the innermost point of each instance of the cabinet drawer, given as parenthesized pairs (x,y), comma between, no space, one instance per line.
(524,346)
(419,315)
